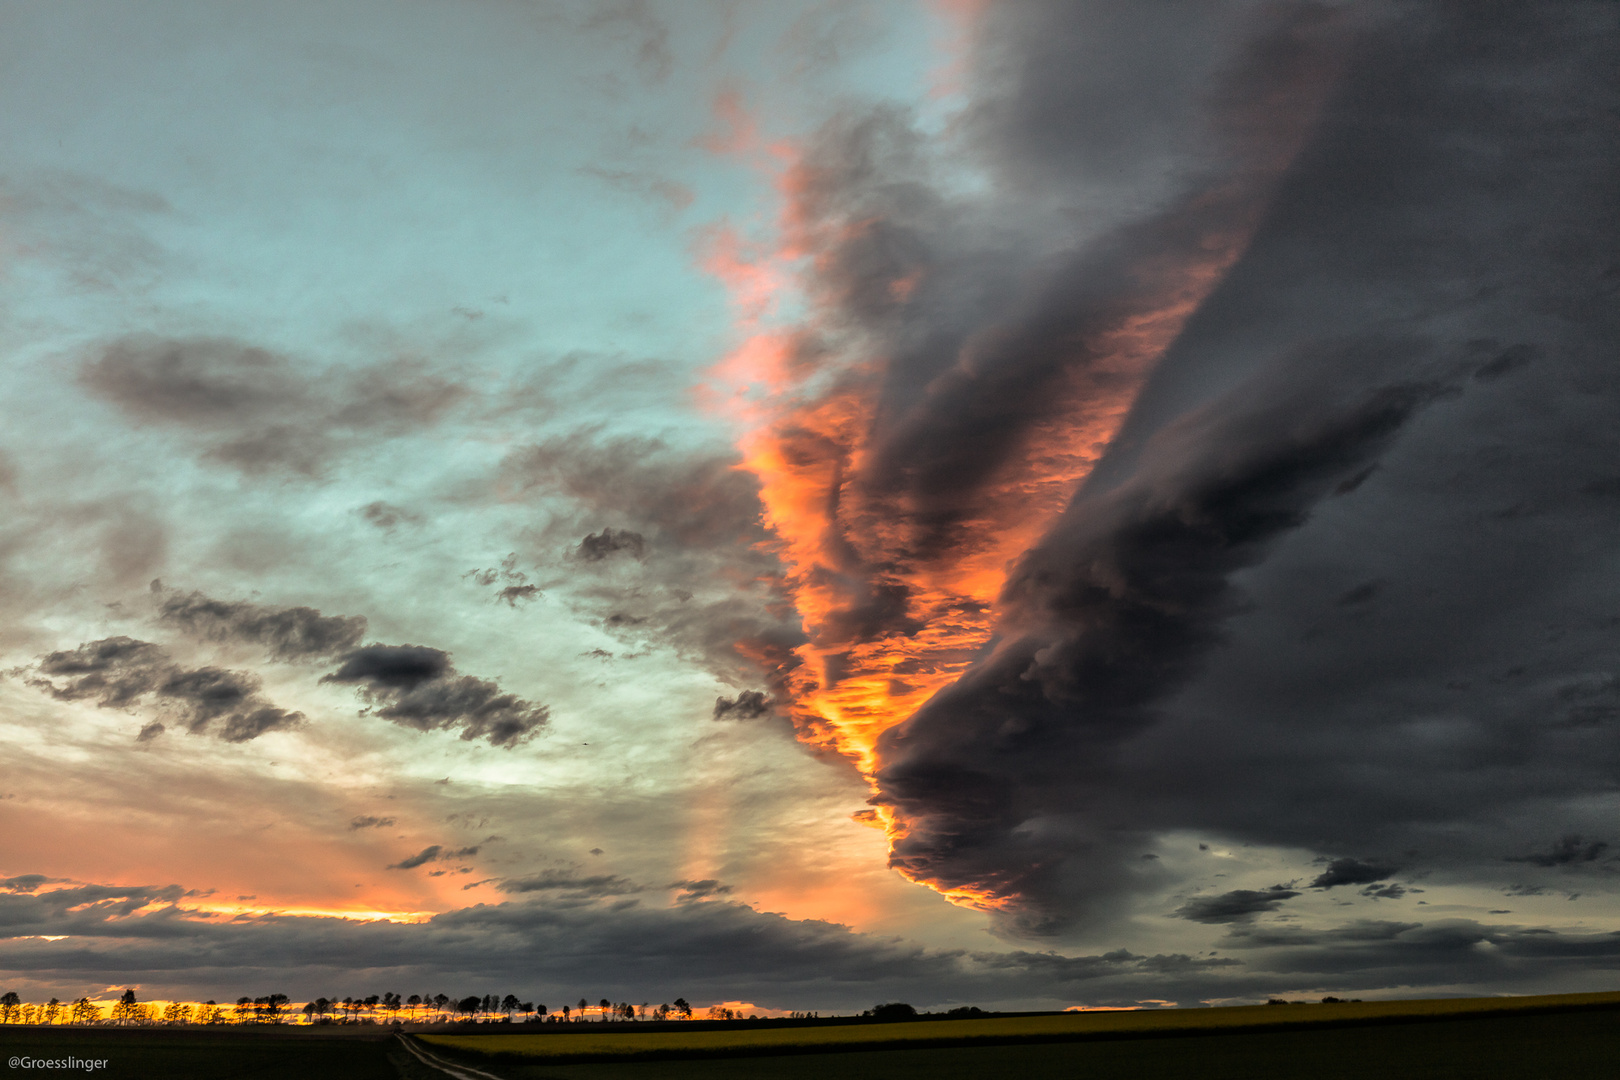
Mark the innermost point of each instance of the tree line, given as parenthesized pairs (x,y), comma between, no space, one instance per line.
(375,1008)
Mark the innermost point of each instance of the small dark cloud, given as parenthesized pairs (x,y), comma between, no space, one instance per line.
(1235,905)
(259,411)
(572,884)
(1570,850)
(120,671)
(27,883)
(1391,891)
(598,546)
(426,855)
(150,731)
(387,516)
(393,667)
(748,705)
(707,584)
(417,687)
(511,594)
(699,890)
(366,822)
(516,586)
(433,853)
(1351,872)
(291,633)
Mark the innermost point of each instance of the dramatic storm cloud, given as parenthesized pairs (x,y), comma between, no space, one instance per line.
(811,503)
(1298,601)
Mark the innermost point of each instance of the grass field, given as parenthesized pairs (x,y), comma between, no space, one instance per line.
(1567,1037)
(1509,1046)
(624,1042)
(234,1053)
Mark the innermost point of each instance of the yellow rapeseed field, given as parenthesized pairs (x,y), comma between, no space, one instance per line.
(626,1040)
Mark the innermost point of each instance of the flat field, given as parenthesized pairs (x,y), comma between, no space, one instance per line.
(1571,1037)
(1568,1037)
(631,1041)
(229,1053)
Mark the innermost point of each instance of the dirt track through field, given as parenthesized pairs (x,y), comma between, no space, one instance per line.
(433,1061)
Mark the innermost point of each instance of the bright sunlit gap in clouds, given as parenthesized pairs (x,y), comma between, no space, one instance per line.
(806,504)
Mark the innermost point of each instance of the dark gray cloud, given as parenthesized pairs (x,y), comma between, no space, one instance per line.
(1335,585)
(1569,850)
(1235,905)
(598,546)
(292,633)
(618,945)
(687,567)
(426,855)
(120,672)
(418,687)
(1115,609)
(27,883)
(387,516)
(748,705)
(510,595)
(706,889)
(366,821)
(432,853)
(571,884)
(259,411)
(1351,872)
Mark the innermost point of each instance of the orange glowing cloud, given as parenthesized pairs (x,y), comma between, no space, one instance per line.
(895,580)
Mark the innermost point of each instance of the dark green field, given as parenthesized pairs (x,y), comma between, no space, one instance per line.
(1575,1044)
(1567,1046)
(233,1053)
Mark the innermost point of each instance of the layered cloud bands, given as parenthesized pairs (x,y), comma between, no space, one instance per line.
(1216,267)
(965,365)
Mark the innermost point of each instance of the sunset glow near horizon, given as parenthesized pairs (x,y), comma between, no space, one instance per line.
(800,505)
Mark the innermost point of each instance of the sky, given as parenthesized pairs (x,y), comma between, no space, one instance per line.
(810,503)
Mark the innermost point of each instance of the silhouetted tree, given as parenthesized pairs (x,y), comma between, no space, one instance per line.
(510,1003)
(126,1008)
(606,1006)
(894,1010)
(53,1010)
(10,1007)
(683,1008)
